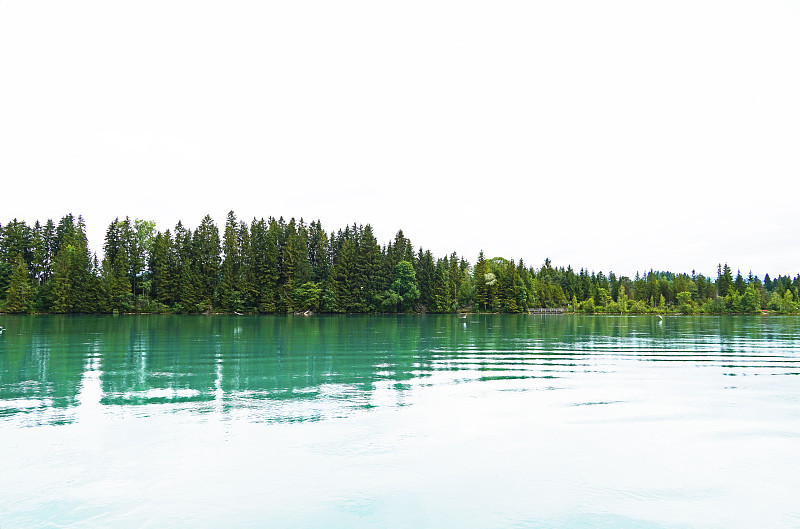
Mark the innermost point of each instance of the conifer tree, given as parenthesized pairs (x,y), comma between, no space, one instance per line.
(481,289)
(343,273)
(116,284)
(441,297)
(369,268)
(318,252)
(206,253)
(247,273)
(38,254)
(425,271)
(20,289)
(162,269)
(188,285)
(230,295)
(724,280)
(264,241)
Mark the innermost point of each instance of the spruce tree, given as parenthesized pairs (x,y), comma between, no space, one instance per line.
(481,289)
(369,269)
(426,270)
(318,257)
(247,273)
(230,295)
(115,281)
(20,289)
(724,280)
(206,252)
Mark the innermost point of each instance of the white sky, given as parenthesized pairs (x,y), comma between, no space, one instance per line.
(607,135)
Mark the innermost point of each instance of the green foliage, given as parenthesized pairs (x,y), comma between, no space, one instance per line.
(309,296)
(404,291)
(685,304)
(602,297)
(750,302)
(587,306)
(784,304)
(622,298)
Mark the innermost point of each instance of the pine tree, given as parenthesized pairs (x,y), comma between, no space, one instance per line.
(20,289)
(481,289)
(425,271)
(116,284)
(247,274)
(230,296)
(369,268)
(206,253)
(343,273)
(187,283)
(61,293)
(318,257)
(739,283)
(440,289)
(264,242)
(163,269)
(724,280)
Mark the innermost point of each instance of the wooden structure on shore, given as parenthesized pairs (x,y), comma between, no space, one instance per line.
(547,311)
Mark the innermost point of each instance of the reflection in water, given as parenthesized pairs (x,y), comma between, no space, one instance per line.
(295,369)
(524,421)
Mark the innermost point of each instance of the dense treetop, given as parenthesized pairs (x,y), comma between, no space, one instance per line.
(275,266)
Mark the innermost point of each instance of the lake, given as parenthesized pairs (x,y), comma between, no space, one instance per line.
(488,421)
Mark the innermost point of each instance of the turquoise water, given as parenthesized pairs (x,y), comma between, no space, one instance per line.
(399,422)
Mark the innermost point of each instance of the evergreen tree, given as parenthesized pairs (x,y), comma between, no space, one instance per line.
(425,271)
(163,269)
(369,270)
(264,240)
(342,277)
(230,295)
(481,289)
(440,289)
(739,283)
(189,288)
(20,289)
(724,280)
(116,284)
(206,252)
(247,275)
(74,285)
(318,252)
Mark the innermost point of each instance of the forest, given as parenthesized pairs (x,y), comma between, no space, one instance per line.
(277,267)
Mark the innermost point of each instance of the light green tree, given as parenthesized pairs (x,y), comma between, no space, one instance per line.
(404,291)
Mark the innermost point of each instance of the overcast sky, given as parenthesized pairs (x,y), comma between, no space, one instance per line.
(603,134)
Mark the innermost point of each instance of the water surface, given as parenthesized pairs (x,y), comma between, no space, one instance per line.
(399,422)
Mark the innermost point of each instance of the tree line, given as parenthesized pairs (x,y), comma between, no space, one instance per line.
(278,266)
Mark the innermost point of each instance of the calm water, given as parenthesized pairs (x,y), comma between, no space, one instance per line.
(399,422)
